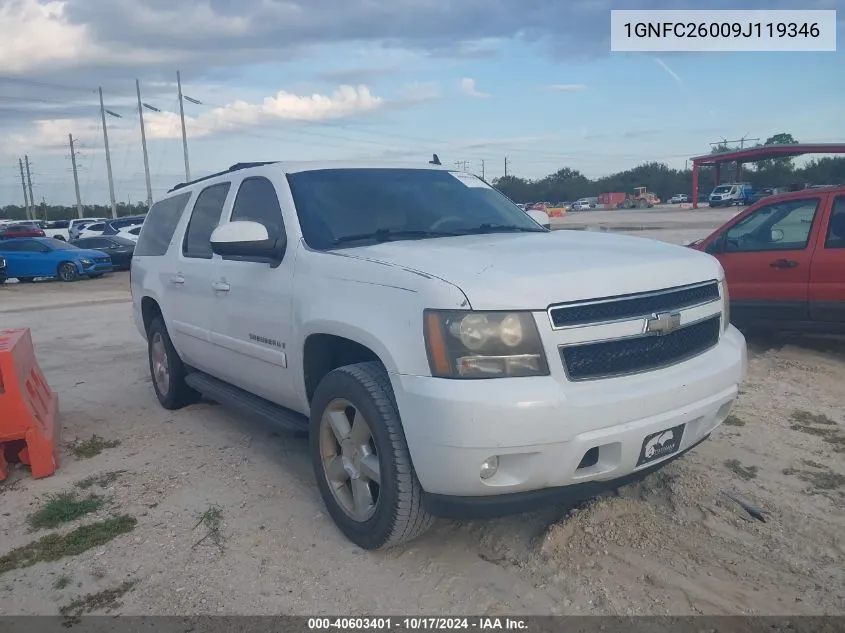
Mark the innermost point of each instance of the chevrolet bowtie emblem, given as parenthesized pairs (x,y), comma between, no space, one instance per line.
(663,323)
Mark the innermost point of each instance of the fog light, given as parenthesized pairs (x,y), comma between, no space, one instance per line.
(489,467)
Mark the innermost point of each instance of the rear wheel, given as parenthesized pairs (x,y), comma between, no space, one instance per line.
(67,271)
(361,459)
(167,370)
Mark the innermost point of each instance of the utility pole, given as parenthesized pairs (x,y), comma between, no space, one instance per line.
(144,146)
(506,166)
(29,184)
(184,134)
(25,194)
(482,169)
(108,157)
(75,177)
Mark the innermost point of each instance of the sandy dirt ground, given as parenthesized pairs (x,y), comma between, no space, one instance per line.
(674,544)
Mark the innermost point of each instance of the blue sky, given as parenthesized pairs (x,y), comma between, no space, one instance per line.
(544,100)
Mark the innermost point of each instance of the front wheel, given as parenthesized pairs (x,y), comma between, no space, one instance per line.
(68,272)
(361,459)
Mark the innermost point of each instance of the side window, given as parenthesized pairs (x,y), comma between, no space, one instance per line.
(33,247)
(99,226)
(836,228)
(257,201)
(204,219)
(775,227)
(161,224)
(9,247)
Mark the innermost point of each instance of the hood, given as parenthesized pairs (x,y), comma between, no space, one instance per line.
(531,271)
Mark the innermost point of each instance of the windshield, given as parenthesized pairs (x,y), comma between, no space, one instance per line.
(122,241)
(60,245)
(352,207)
(722,189)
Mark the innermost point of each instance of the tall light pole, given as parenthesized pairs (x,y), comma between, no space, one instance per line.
(108,154)
(79,211)
(184,134)
(25,194)
(144,144)
(29,184)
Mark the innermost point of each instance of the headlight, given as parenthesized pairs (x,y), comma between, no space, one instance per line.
(85,262)
(726,299)
(464,344)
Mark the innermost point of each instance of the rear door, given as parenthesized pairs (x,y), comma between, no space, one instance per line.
(766,253)
(827,272)
(188,290)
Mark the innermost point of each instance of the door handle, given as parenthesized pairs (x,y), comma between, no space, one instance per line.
(177,279)
(784,263)
(220,286)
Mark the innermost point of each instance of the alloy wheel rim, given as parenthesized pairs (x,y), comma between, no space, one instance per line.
(350,460)
(161,367)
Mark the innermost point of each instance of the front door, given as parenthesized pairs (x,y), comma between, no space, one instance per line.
(251,326)
(766,255)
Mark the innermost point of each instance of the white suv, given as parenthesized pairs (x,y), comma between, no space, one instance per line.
(448,355)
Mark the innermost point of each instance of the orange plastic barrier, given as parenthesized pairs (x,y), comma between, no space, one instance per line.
(29,409)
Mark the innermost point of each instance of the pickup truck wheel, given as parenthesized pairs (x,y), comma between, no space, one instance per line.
(167,370)
(361,459)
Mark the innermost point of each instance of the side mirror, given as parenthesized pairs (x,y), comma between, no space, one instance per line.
(540,217)
(717,245)
(249,241)
(777,235)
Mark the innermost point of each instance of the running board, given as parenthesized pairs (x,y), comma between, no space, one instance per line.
(247,403)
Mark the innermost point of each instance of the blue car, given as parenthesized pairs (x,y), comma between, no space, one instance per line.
(31,257)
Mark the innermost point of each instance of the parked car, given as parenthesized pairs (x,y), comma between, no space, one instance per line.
(77,224)
(117,247)
(2,270)
(31,258)
(731,194)
(58,229)
(11,231)
(679,198)
(92,230)
(447,355)
(113,227)
(784,259)
(131,232)
(582,205)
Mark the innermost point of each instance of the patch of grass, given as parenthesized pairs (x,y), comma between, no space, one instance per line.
(733,420)
(830,435)
(62,581)
(812,464)
(62,508)
(212,521)
(102,480)
(805,417)
(105,599)
(745,472)
(92,447)
(57,546)
(820,480)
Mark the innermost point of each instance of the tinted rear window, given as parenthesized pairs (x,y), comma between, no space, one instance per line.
(160,225)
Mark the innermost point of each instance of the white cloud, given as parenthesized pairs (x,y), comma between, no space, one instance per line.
(469,89)
(567,87)
(284,106)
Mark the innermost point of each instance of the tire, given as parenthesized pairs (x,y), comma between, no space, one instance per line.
(60,237)
(172,393)
(67,271)
(398,514)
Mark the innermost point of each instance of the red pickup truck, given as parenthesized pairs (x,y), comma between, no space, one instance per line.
(784,259)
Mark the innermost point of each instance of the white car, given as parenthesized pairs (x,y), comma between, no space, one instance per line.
(131,232)
(447,359)
(77,224)
(94,229)
(678,198)
(582,205)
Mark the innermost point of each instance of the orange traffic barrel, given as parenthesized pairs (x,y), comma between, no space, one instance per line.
(29,409)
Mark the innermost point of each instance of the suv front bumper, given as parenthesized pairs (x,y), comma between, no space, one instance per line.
(541,429)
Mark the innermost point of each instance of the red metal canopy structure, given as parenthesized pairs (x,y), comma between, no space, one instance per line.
(752,155)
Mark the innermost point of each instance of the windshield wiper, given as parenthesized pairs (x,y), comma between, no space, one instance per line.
(499,228)
(385,235)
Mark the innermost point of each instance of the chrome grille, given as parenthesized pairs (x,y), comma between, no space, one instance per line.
(605,359)
(629,307)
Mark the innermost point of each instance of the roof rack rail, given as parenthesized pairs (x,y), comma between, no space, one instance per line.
(235,167)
